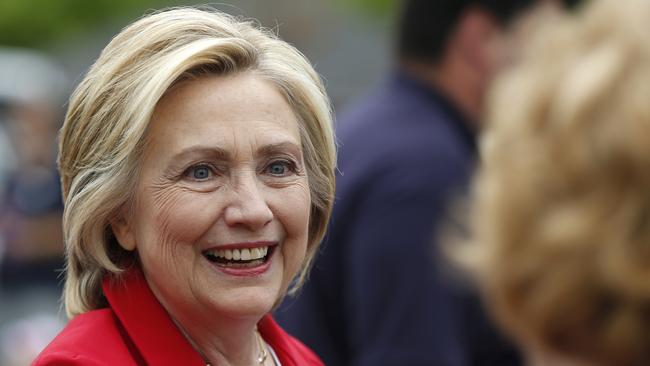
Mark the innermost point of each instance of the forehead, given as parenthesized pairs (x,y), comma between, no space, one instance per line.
(214,109)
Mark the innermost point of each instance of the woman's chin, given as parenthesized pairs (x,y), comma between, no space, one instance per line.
(237,295)
(245,302)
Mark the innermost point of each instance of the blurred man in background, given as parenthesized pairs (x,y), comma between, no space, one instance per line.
(376,296)
(31,95)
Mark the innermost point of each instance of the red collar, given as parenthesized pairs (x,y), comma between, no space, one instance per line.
(157,338)
(147,323)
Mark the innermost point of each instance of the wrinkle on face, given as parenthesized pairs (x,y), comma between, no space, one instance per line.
(166,202)
(239,127)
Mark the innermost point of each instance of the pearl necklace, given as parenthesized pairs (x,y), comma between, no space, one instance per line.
(261,358)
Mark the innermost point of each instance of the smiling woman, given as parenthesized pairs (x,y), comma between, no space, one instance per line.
(197,161)
(230,201)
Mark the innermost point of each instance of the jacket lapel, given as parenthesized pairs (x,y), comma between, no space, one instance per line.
(147,323)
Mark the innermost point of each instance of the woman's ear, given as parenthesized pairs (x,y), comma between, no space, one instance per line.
(123,231)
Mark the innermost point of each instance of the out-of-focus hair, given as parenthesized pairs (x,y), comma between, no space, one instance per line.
(103,136)
(561,217)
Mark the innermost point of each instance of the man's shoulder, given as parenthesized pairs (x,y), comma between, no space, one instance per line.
(400,141)
(419,152)
(402,127)
(386,108)
(92,338)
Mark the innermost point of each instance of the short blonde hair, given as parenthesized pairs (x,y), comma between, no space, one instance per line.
(561,220)
(103,135)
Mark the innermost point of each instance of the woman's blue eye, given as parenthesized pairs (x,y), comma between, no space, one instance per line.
(200,172)
(278,168)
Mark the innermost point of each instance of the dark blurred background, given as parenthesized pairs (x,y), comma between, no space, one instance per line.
(46,47)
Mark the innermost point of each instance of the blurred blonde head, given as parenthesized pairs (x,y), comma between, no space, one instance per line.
(103,135)
(561,221)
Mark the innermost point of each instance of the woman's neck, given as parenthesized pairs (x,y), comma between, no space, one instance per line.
(219,338)
(223,341)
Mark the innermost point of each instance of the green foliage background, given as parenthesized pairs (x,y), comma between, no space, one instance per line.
(376,8)
(41,23)
(38,23)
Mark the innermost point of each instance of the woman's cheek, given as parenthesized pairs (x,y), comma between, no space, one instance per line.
(294,214)
(293,209)
(183,216)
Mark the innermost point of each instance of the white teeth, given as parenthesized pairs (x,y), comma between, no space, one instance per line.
(241,254)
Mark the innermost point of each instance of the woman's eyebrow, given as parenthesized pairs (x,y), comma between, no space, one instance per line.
(199,150)
(281,147)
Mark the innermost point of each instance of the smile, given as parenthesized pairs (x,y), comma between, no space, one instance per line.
(245,256)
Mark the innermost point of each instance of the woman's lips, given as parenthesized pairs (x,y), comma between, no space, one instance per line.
(242,259)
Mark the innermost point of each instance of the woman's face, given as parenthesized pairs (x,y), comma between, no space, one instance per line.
(221,217)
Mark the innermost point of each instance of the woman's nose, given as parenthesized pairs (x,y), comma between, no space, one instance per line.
(248,206)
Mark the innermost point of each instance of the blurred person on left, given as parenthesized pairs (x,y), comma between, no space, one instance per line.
(32,86)
(32,90)
(189,215)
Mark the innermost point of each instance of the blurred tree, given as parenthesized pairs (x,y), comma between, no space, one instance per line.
(376,8)
(38,23)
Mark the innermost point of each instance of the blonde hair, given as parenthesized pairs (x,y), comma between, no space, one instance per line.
(103,135)
(561,220)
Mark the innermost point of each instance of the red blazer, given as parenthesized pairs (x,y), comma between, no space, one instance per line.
(136,330)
